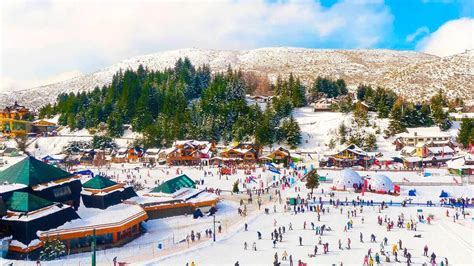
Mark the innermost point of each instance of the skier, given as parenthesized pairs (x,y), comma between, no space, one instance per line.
(315,250)
(340,244)
(361,237)
(245,245)
(254,246)
(425,251)
(366,260)
(348,243)
(284,255)
(259,235)
(400,244)
(246,227)
(301,241)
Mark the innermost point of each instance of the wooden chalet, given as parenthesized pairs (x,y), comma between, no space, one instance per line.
(244,152)
(349,156)
(429,136)
(279,155)
(188,152)
(44,127)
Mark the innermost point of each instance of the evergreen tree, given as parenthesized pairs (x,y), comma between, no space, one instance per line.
(312,180)
(466,132)
(291,132)
(370,143)
(53,249)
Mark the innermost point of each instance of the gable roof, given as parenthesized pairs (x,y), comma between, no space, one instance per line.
(31,172)
(173,185)
(26,202)
(99,182)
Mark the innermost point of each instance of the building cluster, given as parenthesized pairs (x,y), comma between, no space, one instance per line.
(416,148)
(182,153)
(18,120)
(40,202)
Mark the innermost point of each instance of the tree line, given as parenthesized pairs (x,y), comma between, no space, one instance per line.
(184,102)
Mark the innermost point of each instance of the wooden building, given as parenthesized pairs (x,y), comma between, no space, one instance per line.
(349,156)
(13,120)
(245,152)
(188,152)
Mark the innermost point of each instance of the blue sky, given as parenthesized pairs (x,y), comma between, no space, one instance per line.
(48,41)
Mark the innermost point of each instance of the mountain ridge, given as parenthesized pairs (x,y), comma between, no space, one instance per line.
(405,72)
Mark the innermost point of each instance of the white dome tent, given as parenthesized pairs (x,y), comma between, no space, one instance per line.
(381,183)
(346,179)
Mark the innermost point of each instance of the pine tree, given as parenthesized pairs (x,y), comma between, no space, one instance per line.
(53,248)
(370,143)
(360,115)
(342,133)
(312,180)
(466,132)
(291,132)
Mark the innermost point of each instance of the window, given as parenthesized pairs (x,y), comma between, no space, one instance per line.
(61,192)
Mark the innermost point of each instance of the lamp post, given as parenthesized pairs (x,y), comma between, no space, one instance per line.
(93,248)
(214,232)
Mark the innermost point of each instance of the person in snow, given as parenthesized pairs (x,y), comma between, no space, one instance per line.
(348,243)
(433,259)
(246,227)
(284,256)
(315,250)
(301,241)
(259,235)
(361,237)
(377,258)
(340,244)
(254,246)
(425,251)
(245,245)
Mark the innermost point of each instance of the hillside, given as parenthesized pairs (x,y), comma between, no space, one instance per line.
(415,75)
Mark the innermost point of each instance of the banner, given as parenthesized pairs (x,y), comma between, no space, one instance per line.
(272,168)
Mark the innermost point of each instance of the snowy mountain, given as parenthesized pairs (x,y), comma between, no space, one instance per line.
(415,75)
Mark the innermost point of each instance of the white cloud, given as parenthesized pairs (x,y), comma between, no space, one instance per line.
(10,84)
(419,32)
(41,38)
(452,37)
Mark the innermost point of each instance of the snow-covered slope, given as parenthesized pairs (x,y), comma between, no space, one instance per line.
(415,75)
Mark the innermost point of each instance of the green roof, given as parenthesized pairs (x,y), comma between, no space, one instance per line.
(99,182)
(173,185)
(26,202)
(31,172)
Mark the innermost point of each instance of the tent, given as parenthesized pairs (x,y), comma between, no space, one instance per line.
(381,183)
(443,194)
(346,179)
(412,192)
